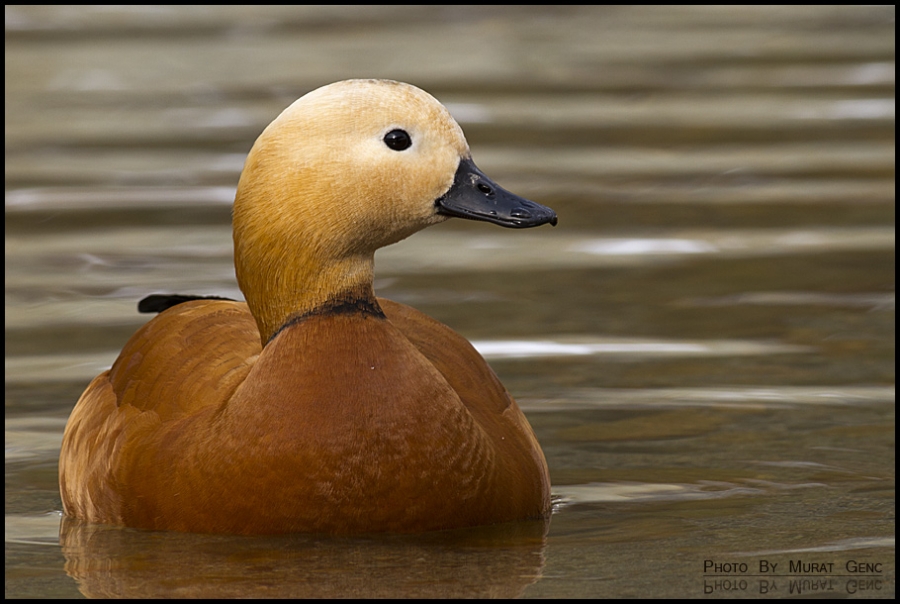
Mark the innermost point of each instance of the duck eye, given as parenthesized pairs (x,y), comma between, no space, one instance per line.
(398,140)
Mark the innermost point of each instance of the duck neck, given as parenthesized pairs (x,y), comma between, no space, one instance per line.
(282,288)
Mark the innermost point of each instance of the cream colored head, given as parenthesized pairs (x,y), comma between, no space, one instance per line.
(321,191)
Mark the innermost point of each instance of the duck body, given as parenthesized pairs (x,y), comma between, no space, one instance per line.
(321,409)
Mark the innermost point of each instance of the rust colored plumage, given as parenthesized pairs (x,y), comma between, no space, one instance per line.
(313,407)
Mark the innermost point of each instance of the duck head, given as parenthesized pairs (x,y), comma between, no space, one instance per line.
(347,169)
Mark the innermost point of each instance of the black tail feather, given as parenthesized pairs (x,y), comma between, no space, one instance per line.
(161,302)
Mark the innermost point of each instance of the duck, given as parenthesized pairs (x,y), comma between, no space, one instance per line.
(314,406)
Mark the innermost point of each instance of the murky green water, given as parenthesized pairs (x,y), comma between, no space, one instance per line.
(704,345)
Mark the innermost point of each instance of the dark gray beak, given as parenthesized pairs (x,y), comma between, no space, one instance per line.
(476,197)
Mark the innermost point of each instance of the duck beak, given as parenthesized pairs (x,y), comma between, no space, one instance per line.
(476,197)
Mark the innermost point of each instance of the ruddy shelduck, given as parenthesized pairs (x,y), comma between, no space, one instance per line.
(315,406)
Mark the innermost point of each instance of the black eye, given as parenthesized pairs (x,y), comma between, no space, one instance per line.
(398,140)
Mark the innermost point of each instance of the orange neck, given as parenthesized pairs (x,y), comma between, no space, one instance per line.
(282,284)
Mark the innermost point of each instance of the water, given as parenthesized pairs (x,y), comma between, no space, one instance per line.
(704,345)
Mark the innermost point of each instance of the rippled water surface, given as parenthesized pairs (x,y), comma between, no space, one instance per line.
(704,345)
